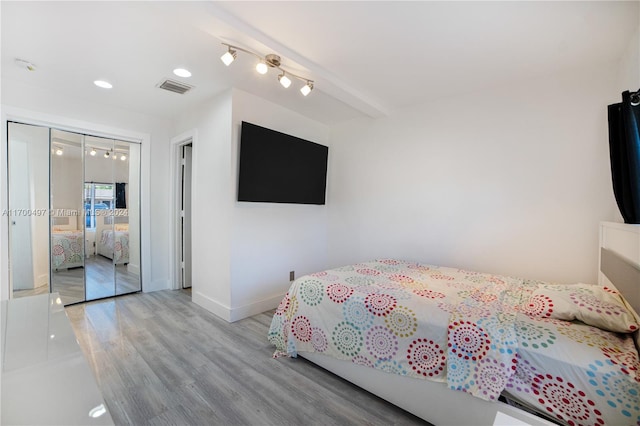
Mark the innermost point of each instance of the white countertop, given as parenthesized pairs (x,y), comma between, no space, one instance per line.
(45,376)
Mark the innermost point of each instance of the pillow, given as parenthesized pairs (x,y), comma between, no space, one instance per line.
(122,226)
(597,306)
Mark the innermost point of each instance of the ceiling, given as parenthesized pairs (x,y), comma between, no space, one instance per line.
(367,58)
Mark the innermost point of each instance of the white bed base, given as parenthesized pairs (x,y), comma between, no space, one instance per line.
(431,401)
(439,405)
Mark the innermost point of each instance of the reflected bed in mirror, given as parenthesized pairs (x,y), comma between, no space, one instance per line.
(86,244)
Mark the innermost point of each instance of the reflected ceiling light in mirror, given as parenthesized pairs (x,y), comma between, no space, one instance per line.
(182,72)
(106,154)
(123,157)
(25,64)
(103,84)
(59,150)
(262,67)
(97,411)
(93,152)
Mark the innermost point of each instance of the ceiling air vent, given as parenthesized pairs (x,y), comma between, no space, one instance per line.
(174,86)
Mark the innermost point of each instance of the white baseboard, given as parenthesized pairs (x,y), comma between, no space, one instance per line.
(235,314)
(211,305)
(255,307)
(43,279)
(134,269)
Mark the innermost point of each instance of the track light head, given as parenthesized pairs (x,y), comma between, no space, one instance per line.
(635,98)
(307,88)
(229,56)
(106,154)
(93,152)
(262,67)
(269,61)
(284,80)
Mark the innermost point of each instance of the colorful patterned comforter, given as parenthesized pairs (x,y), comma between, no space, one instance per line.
(67,249)
(115,245)
(465,329)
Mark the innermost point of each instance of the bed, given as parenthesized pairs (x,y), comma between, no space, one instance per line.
(112,236)
(67,243)
(433,339)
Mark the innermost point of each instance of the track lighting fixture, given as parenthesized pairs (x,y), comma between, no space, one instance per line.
(306,89)
(106,154)
(229,56)
(262,67)
(284,80)
(264,63)
(93,152)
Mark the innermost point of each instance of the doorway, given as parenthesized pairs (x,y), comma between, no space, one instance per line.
(185,215)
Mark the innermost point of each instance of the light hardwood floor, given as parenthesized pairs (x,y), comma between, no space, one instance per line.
(161,359)
(99,275)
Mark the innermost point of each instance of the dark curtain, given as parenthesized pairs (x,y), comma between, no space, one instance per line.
(121,196)
(624,149)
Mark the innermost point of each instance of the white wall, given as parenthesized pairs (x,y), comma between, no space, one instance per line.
(29,154)
(269,240)
(211,205)
(67,180)
(41,105)
(39,169)
(629,75)
(512,180)
(100,169)
(243,252)
(628,79)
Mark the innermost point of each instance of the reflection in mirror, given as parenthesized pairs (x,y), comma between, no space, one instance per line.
(28,172)
(74,206)
(101,168)
(127,220)
(112,225)
(67,232)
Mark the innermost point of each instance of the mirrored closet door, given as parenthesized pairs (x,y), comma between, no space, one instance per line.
(75,222)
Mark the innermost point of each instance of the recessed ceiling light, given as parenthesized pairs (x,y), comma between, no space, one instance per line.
(103,84)
(181,72)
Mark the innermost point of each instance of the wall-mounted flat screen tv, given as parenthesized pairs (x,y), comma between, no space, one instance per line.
(279,168)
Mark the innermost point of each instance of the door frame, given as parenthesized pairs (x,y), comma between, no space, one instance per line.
(84,127)
(177,142)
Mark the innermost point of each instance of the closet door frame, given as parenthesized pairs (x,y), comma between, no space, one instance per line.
(77,126)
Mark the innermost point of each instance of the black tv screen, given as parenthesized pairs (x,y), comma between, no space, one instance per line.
(279,168)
